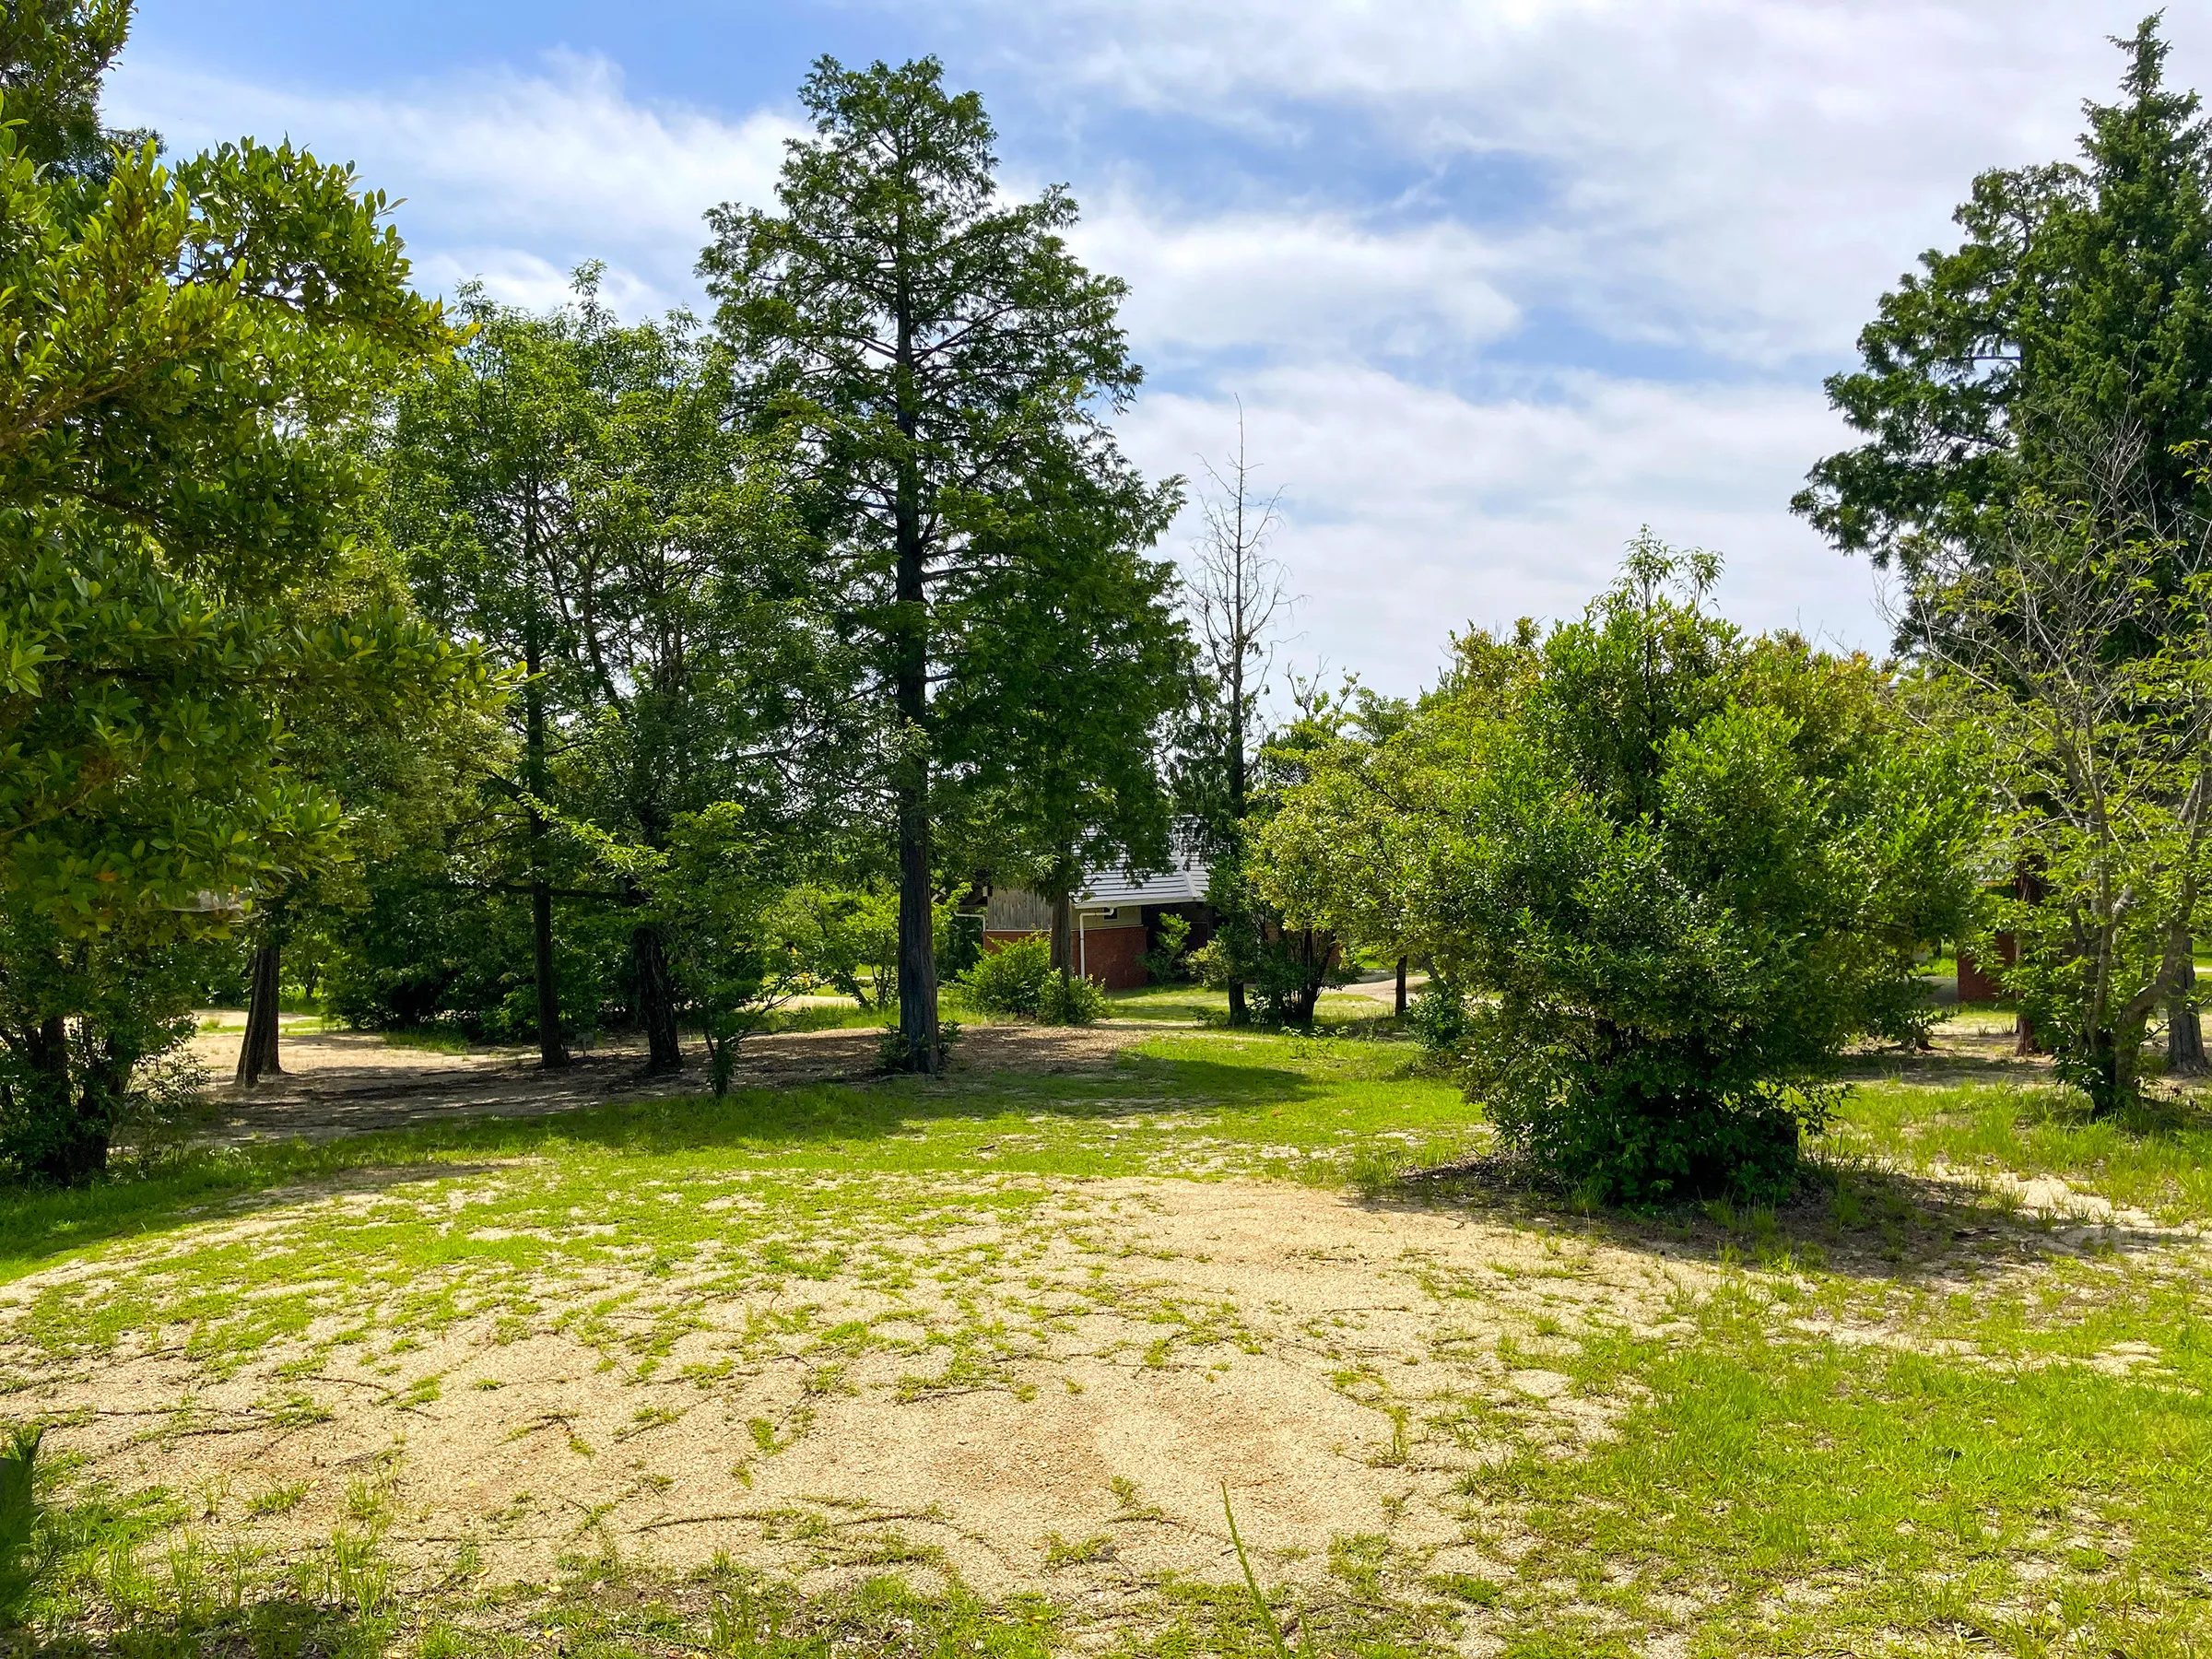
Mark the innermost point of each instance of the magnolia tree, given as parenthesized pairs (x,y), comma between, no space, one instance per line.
(187,346)
(1665,872)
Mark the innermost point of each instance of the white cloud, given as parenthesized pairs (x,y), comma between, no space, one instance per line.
(1738,179)
(1310,284)
(1740,176)
(1409,513)
(525,175)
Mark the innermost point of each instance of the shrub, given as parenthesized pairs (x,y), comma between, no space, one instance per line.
(1069,1000)
(1438,1019)
(1168,963)
(1020,978)
(1677,870)
(1010,980)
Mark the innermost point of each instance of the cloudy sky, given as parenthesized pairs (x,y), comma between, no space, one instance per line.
(1495,281)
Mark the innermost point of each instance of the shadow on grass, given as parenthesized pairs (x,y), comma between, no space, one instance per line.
(1963,1053)
(272,1629)
(1948,1068)
(1851,1217)
(38,1223)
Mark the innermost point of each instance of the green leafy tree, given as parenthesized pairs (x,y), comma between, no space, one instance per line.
(1283,955)
(925,346)
(403,770)
(187,349)
(724,889)
(846,938)
(2099,762)
(2078,308)
(2079,299)
(711,692)
(1669,872)
(571,491)
(1054,720)
(53,54)
(480,462)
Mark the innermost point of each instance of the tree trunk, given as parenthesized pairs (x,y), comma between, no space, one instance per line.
(2127,1065)
(910,696)
(1309,989)
(1401,1009)
(656,1000)
(2184,1032)
(551,1053)
(910,692)
(917,948)
(257,1055)
(54,1144)
(2032,889)
(1064,935)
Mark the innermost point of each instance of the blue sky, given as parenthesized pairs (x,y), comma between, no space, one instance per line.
(1495,281)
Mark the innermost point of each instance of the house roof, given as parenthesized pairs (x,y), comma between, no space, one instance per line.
(1182,883)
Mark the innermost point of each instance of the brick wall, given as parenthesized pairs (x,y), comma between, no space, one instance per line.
(1976,984)
(1115,957)
(1112,956)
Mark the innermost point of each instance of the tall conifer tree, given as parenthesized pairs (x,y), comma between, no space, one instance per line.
(927,347)
(2077,307)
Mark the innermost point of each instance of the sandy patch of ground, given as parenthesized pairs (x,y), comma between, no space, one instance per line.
(339,1083)
(1338,1365)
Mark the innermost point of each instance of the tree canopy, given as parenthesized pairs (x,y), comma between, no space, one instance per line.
(2080,298)
(931,354)
(569,492)
(183,351)
(1664,872)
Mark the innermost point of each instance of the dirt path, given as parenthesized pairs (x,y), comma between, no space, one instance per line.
(1052,1396)
(339,1083)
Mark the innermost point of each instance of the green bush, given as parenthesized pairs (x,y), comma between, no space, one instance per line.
(1018,978)
(1071,1000)
(1679,871)
(1168,963)
(1010,980)
(1438,1019)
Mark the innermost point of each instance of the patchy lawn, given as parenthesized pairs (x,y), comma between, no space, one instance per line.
(961,1367)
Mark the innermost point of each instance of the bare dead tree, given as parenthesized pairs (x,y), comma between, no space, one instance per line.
(1235,593)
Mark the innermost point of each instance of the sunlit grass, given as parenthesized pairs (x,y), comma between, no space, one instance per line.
(1870,1439)
(2157,1158)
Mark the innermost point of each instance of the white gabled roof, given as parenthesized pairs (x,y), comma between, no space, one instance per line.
(1182,883)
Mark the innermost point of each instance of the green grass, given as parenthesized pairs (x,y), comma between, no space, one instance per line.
(805,1176)
(1903,1416)
(2157,1159)
(432,1039)
(828,1017)
(1912,1504)
(1343,1012)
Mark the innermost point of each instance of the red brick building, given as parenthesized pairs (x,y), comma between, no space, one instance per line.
(1976,983)
(1117,918)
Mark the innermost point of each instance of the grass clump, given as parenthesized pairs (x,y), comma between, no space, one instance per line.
(25,1555)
